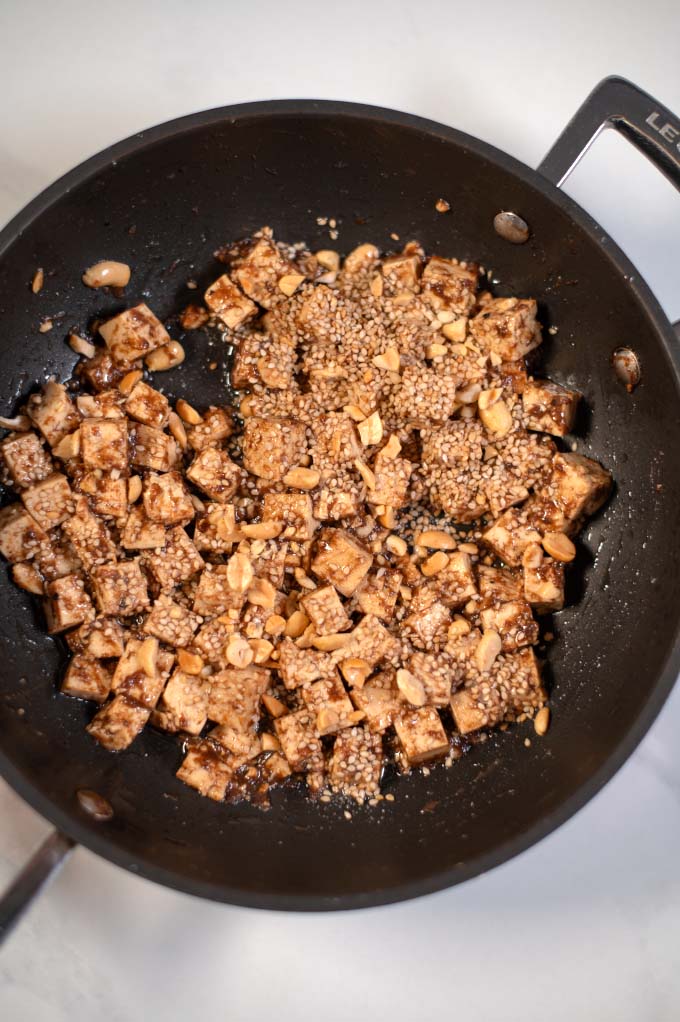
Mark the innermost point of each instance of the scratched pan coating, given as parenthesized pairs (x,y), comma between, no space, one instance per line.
(163,201)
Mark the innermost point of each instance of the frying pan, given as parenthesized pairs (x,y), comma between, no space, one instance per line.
(163,201)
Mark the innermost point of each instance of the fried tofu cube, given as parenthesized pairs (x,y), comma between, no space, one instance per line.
(356,764)
(510,535)
(20,536)
(147,405)
(512,689)
(325,610)
(380,700)
(89,536)
(228,302)
(106,405)
(425,395)
(244,368)
(244,744)
(141,672)
(455,584)
(258,272)
(217,425)
(208,768)
(166,499)
(328,704)
(436,673)
(377,594)
(317,312)
(215,473)
(140,533)
(172,623)
(271,563)
(513,621)
(549,407)
(57,557)
(216,530)
(421,735)
(87,678)
(336,441)
(120,589)
(579,486)
(498,585)
(467,714)
(299,741)
(300,667)
(449,286)
(369,641)
(49,502)
(26,460)
(118,723)
(272,446)
(67,604)
(100,639)
(152,448)
(183,705)
(392,477)
(108,493)
(104,444)
(178,561)
(212,638)
(133,334)
(544,586)
(428,626)
(101,371)
(402,271)
(507,327)
(235,697)
(293,511)
(214,594)
(53,412)
(340,560)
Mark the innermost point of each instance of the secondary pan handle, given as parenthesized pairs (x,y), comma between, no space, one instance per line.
(42,865)
(617,103)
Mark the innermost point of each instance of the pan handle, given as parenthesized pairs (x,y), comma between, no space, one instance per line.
(42,865)
(617,103)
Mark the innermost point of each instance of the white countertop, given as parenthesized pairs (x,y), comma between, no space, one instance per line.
(587,924)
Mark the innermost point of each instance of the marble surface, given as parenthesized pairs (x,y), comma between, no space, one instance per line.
(585,925)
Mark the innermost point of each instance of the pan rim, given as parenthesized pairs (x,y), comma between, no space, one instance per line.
(99,843)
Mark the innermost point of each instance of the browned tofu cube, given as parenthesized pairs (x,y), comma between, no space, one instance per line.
(244,368)
(425,395)
(455,584)
(133,333)
(507,327)
(356,764)
(467,715)
(437,673)
(118,723)
(378,593)
(229,303)
(178,561)
(303,666)
(428,626)
(183,705)
(258,272)
(107,491)
(25,458)
(513,621)
(579,486)
(336,441)
(101,639)
(392,477)
(90,538)
(293,512)
(109,404)
(20,536)
(214,594)
(57,557)
(120,589)
(272,446)
(217,425)
(271,563)
(544,586)
(101,371)
(549,407)
(172,623)
(140,532)
(104,444)
(402,271)
(498,585)
(512,689)
(87,678)
(208,768)
(329,705)
(167,500)
(510,535)
(147,405)
(216,530)
(215,473)
(152,448)
(49,502)
(380,700)
(235,697)
(53,412)
(212,638)
(67,604)
(244,744)
(318,311)
(325,610)
(341,497)
(449,286)
(299,740)
(369,641)
(341,560)
(141,672)
(421,735)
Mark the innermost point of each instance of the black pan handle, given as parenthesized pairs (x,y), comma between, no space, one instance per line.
(42,865)
(617,103)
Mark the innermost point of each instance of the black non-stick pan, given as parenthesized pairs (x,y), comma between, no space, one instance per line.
(164,201)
